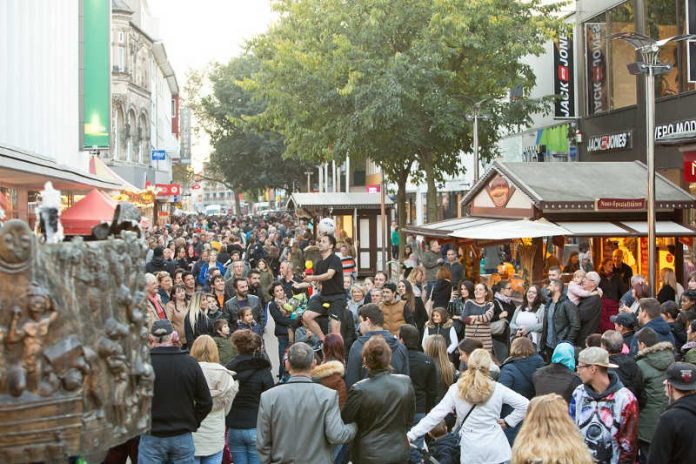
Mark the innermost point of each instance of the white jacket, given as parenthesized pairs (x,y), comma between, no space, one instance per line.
(482,439)
(210,436)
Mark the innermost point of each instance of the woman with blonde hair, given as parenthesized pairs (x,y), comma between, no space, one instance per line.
(477,401)
(197,322)
(670,290)
(209,440)
(435,346)
(549,436)
(417,279)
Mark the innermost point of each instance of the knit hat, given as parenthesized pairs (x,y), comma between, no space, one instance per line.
(627,320)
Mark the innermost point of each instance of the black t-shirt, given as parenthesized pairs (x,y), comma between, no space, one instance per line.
(333,286)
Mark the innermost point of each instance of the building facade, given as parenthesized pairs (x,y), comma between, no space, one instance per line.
(144,98)
(40,104)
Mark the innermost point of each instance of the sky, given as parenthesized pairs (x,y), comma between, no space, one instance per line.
(200,32)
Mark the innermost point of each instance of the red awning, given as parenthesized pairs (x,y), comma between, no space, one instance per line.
(94,208)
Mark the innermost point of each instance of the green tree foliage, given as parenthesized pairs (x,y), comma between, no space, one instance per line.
(247,158)
(393,81)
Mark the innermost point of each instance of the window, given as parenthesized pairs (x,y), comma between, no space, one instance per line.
(609,86)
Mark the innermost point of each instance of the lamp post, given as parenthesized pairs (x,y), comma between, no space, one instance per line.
(649,65)
(475,116)
(309,177)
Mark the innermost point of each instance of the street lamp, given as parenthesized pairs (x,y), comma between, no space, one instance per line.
(650,66)
(476,115)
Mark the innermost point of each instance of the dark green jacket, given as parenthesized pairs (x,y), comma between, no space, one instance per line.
(226,349)
(653,362)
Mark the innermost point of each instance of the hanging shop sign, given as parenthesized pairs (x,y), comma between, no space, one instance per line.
(168,190)
(674,128)
(564,76)
(95,95)
(607,142)
(689,166)
(597,88)
(159,155)
(622,204)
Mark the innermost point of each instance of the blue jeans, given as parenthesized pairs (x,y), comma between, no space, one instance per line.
(414,455)
(283,342)
(157,450)
(212,459)
(242,444)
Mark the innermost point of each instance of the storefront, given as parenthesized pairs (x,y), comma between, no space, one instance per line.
(550,209)
(357,216)
(612,100)
(23,175)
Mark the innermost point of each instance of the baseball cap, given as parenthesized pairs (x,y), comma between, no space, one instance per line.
(161,328)
(627,320)
(596,356)
(682,375)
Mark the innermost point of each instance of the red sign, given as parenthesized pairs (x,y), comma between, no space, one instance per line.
(163,214)
(372,188)
(689,166)
(168,190)
(195,186)
(620,203)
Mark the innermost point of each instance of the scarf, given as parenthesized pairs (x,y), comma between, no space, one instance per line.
(158,307)
(503,298)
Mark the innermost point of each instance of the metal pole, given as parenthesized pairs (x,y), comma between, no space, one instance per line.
(476,145)
(348,174)
(650,150)
(326,177)
(321,178)
(309,184)
(333,172)
(384,224)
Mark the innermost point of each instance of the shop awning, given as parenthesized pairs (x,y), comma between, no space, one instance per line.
(337,200)
(96,207)
(33,171)
(505,229)
(101,170)
(443,229)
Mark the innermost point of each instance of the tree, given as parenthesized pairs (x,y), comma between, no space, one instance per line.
(393,81)
(245,157)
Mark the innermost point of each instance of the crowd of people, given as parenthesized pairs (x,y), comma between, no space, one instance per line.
(267,348)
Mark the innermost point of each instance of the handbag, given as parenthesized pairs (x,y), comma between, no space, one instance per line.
(429,303)
(498,327)
(458,429)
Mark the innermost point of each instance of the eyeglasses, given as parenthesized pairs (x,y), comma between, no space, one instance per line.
(508,288)
(582,366)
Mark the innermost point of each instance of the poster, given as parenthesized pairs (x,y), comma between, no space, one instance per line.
(96,74)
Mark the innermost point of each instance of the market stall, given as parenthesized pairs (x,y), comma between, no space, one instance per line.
(356,215)
(601,204)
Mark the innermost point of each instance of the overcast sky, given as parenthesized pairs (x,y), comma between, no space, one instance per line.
(196,33)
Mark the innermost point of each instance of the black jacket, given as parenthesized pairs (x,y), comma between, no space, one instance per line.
(181,397)
(674,441)
(566,324)
(630,375)
(589,312)
(383,407)
(159,264)
(254,376)
(517,374)
(204,326)
(442,291)
(282,321)
(555,378)
(424,378)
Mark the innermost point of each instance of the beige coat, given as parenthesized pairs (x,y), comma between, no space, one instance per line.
(210,437)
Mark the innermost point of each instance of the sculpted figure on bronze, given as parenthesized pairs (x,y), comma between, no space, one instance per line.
(32,334)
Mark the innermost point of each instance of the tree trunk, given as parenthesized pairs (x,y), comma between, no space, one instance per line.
(401,210)
(431,196)
(237,204)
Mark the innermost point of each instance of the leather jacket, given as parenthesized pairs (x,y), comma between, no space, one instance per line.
(383,406)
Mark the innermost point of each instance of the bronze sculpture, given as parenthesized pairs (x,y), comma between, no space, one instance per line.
(75,377)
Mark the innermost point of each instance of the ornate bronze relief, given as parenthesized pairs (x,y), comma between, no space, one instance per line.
(75,373)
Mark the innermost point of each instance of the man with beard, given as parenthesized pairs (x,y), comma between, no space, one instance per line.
(242,299)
